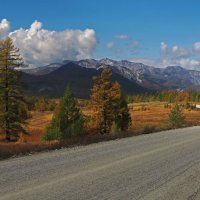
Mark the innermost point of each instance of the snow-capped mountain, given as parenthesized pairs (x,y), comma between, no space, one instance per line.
(171,77)
(43,70)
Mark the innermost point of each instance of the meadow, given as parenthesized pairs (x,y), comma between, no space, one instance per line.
(146,118)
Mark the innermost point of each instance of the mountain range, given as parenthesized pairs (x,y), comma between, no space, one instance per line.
(134,77)
(78,78)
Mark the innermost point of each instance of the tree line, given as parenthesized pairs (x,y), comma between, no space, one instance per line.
(169,96)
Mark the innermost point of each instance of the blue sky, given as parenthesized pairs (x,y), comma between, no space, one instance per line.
(145,23)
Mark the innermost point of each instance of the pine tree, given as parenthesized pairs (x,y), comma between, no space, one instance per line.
(123,118)
(106,100)
(67,121)
(176,117)
(11,96)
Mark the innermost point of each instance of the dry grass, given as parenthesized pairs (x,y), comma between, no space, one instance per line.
(156,116)
(37,125)
(146,118)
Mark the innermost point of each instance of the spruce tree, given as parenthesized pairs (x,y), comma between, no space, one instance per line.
(11,96)
(67,121)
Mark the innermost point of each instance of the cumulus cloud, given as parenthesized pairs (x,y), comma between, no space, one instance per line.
(4,28)
(121,37)
(39,46)
(110,45)
(174,51)
(174,56)
(179,52)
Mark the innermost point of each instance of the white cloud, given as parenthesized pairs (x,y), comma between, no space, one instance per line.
(173,52)
(163,46)
(179,52)
(110,45)
(174,56)
(35,27)
(4,28)
(121,37)
(196,46)
(189,63)
(39,46)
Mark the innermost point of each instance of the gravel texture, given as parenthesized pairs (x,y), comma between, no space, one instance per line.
(158,166)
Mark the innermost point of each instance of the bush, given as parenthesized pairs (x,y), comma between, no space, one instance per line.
(52,132)
(176,117)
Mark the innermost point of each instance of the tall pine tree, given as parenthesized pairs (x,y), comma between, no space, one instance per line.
(11,96)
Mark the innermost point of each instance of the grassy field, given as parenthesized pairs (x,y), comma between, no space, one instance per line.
(146,118)
(156,115)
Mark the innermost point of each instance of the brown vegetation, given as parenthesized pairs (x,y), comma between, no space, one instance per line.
(151,119)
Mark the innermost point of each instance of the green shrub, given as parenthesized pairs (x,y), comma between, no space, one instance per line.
(76,128)
(176,117)
(52,132)
(67,121)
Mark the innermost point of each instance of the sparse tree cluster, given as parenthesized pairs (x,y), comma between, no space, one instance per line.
(36,103)
(41,104)
(109,106)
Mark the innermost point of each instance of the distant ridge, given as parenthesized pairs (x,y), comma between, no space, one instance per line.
(152,78)
(79,78)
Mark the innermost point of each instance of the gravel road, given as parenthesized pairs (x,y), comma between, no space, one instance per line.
(158,166)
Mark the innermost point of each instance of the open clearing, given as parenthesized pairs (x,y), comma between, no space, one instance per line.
(146,118)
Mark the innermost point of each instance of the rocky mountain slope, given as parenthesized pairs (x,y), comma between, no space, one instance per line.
(171,77)
(78,78)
